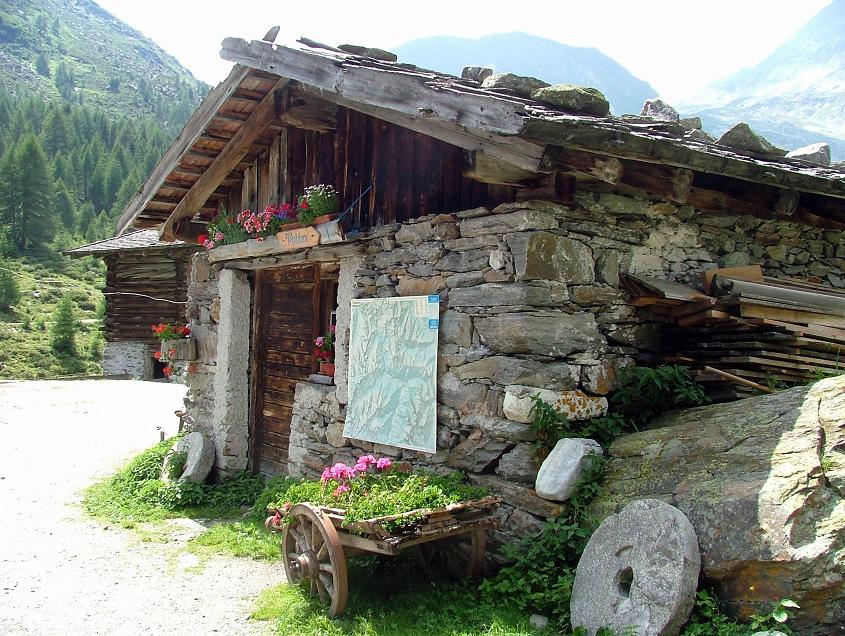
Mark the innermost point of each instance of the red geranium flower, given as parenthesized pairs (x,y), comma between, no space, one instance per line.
(168,371)
(202,238)
(157,355)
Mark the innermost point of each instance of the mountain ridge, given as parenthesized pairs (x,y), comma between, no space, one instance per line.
(79,51)
(525,54)
(794,97)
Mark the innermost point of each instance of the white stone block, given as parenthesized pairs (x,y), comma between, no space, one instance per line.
(561,470)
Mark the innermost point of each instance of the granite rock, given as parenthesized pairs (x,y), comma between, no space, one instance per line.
(763,482)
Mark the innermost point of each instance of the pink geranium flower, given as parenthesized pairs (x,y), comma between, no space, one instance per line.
(384,463)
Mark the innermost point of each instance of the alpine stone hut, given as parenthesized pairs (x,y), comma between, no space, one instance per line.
(509,219)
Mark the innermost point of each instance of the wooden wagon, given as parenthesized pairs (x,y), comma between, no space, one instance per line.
(316,542)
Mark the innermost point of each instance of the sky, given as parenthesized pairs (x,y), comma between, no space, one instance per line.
(678,46)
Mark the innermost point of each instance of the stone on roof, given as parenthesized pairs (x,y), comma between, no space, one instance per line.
(371,52)
(660,110)
(477,73)
(818,154)
(520,85)
(571,97)
(691,123)
(742,137)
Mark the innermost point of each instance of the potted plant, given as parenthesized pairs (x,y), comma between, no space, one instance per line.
(319,204)
(176,345)
(324,350)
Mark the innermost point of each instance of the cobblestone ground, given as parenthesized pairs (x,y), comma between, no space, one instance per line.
(63,573)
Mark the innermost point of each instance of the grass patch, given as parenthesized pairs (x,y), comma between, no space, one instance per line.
(136,493)
(247,538)
(388,598)
(43,280)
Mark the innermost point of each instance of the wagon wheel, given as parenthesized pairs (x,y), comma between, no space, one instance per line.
(313,552)
(458,557)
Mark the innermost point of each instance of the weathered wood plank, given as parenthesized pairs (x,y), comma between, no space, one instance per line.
(191,131)
(226,161)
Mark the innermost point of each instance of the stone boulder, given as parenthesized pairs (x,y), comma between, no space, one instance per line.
(763,482)
(579,99)
(660,110)
(742,137)
(691,123)
(518,84)
(818,154)
(561,470)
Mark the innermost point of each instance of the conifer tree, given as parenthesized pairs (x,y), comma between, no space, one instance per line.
(42,65)
(65,326)
(26,195)
(65,207)
(9,292)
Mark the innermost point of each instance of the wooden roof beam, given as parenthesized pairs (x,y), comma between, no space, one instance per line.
(603,168)
(667,181)
(226,161)
(195,126)
(412,100)
(480,167)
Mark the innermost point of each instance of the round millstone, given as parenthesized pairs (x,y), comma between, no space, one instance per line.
(200,456)
(639,569)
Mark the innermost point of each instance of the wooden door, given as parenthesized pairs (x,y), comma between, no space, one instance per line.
(286,324)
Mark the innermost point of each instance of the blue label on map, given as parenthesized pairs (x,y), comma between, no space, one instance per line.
(434,298)
(433,323)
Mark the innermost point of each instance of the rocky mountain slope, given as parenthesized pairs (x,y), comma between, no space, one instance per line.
(794,97)
(77,50)
(525,54)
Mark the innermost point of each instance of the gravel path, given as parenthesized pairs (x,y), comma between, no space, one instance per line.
(63,573)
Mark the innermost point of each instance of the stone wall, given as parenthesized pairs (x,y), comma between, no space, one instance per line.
(128,358)
(530,303)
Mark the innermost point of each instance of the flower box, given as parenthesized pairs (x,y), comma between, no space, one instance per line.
(183,349)
(327,368)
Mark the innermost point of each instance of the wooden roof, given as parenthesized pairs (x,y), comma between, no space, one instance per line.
(508,139)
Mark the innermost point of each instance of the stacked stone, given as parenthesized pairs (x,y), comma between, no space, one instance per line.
(678,242)
(203,312)
(530,305)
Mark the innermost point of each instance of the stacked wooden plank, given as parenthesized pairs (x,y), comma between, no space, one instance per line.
(747,333)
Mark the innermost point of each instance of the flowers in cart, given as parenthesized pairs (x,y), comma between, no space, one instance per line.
(374,487)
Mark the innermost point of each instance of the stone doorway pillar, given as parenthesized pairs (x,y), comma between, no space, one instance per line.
(230,417)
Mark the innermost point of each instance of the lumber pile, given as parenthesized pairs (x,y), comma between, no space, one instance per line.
(747,333)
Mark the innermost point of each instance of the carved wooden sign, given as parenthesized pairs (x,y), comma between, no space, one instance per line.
(298,238)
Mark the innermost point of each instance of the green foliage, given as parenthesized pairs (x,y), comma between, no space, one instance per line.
(641,394)
(42,65)
(777,617)
(26,195)
(707,619)
(176,464)
(9,292)
(543,570)
(65,326)
(379,494)
(137,493)
(387,597)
